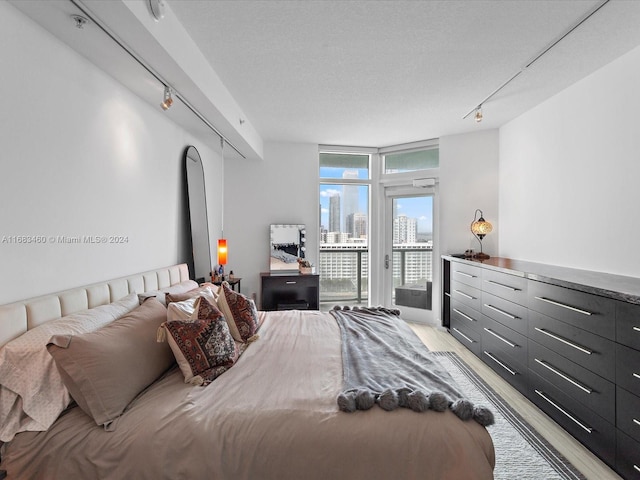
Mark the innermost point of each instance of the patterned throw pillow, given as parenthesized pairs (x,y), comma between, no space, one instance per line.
(240,312)
(203,347)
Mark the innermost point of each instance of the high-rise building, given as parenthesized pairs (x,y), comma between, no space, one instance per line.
(405,230)
(334,213)
(357,225)
(350,200)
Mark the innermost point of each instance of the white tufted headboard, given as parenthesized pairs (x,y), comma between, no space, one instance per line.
(18,317)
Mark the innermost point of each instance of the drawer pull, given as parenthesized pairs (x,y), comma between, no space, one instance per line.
(503,286)
(500,337)
(465,295)
(636,375)
(464,315)
(580,424)
(564,376)
(637,329)
(291,282)
(636,421)
(464,336)
(636,467)
(568,307)
(502,312)
(466,274)
(511,371)
(565,341)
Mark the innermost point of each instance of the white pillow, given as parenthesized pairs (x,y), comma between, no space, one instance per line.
(32,394)
(181,287)
(184,310)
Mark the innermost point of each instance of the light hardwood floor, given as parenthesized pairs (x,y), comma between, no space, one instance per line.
(438,339)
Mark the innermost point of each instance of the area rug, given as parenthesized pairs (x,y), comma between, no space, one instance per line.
(521,452)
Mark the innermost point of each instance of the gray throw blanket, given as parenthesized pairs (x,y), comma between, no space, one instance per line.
(384,362)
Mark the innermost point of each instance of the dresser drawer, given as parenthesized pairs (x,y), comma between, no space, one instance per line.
(495,334)
(627,456)
(591,430)
(503,285)
(466,294)
(464,313)
(581,384)
(584,348)
(508,313)
(469,337)
(589,312)
(628,324)
(628,369)
(513,372)
(467,274)
(628,413)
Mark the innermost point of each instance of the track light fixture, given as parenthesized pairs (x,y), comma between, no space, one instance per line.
(478,115)
(167,101)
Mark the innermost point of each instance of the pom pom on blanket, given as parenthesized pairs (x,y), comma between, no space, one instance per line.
(403,393)
(463,408)
(438,401)
(418,401)
(483,416)
(365,399)
(388,400)
(347,402)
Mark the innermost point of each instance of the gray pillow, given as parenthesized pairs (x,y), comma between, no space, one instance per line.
(106,369)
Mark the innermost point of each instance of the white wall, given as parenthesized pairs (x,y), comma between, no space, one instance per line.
(468,180)
(569,172)
(81,155)
(282,188)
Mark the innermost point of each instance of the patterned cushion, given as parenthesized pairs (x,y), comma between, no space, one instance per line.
(203,347)
(241,313)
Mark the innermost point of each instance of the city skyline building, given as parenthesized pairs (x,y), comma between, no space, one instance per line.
(350,201)
(334,213)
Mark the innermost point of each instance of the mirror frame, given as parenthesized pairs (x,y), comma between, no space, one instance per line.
(198,217)
(288,242)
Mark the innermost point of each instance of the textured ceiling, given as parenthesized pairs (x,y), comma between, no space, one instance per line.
(378,73)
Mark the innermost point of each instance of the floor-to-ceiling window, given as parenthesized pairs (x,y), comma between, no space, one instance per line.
(344,228)
(360,259)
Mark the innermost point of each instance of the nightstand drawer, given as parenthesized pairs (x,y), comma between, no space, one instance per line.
(579,383)
(465,314)
(628,413)
(503,285)
(496,336)
(466,294)
(508,313)
(628,324)
(467,274)
(628,369)
(584,348)
(589,312)
(590,429)
(469,337)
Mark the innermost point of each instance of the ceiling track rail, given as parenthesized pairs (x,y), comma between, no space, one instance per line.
(539,55)
(86,12)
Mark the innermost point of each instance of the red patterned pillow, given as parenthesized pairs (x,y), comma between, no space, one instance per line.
(203,347)
(241,313)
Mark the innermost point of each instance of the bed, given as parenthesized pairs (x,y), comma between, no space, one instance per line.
(272,414)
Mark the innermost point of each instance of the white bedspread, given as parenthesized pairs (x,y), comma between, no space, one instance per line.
(272,416)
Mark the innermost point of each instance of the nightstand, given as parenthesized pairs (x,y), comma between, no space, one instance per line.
(232,283)
(290,291)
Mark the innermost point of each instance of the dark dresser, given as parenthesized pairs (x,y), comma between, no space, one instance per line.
(290,291)
(567,339)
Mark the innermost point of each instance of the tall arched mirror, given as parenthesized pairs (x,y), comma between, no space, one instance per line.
(198,215)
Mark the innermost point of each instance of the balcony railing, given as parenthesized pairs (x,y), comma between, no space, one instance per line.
(344,272)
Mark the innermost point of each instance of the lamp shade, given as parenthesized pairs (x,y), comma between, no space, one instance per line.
(481,227)
(222,251)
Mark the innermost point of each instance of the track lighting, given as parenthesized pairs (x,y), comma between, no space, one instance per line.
(479,114)
(168,101)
